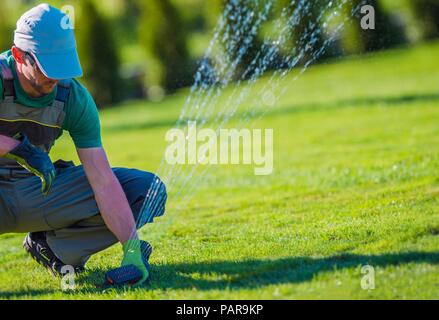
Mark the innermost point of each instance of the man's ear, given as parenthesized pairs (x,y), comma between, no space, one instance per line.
(17,54)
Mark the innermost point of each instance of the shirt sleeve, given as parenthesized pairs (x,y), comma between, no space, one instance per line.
(82,118)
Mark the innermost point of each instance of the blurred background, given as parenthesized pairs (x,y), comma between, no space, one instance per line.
(146,49)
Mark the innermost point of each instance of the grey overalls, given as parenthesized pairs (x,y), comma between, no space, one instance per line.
(69,214)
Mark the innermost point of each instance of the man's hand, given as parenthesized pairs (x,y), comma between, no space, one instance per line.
(132,255)
(35,161)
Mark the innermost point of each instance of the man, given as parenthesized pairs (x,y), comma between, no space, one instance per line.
(71,212)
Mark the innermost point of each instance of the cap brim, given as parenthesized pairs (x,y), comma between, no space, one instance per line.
(60,66)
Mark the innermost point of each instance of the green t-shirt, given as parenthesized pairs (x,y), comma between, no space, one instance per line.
(82,117)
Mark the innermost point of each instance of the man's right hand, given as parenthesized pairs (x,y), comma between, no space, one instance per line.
(34,160)
(133,255)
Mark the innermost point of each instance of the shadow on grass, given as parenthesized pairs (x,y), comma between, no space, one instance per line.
(247,274)
(310,107)
(250,274)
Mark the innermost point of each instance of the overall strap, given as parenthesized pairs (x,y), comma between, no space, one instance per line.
(62,93)
(8,79)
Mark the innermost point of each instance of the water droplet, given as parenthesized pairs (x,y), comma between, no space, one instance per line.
(268,98)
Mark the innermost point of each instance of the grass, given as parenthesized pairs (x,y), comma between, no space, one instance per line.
(355,183)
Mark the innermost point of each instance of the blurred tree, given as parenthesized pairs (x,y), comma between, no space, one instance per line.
(239,44)
(129,18)
(163,36)
(310,33)
(239,33)
(6,30)
(428,13)
(98,53)
(389,31)
(306,34)
(212,12)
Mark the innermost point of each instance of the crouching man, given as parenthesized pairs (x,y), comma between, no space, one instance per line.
(71,212)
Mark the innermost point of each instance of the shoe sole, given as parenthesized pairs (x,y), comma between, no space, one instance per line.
(37,257)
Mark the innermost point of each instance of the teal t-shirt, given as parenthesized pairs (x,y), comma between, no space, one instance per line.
(82,117)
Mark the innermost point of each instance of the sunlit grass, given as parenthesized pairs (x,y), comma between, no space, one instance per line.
(355,183)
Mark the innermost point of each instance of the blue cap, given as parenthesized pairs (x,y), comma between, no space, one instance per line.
(44,31)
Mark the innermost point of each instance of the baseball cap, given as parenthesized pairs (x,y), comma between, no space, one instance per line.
(44,32)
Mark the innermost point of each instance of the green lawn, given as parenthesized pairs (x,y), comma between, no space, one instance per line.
(355,183)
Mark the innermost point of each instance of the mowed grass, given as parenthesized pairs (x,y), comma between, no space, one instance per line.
(355,183)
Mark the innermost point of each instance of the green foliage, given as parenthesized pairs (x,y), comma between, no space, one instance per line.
(389,31)
(236,34)
(6,30)
(310,33)
(163,36)
(173,34)
(128,21)
(212,11)
(428,13)
(98,54)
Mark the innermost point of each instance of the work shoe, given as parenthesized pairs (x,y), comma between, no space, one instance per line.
(36,245)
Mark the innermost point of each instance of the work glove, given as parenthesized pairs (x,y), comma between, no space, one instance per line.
(34,160)
(133,255)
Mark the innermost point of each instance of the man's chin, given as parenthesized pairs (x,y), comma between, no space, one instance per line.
(47,90)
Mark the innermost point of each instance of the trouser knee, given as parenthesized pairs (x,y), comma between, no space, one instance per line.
(153,200)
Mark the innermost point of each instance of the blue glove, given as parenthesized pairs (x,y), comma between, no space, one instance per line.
(35,161)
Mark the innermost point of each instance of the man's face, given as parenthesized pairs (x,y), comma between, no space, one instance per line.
(36,79)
